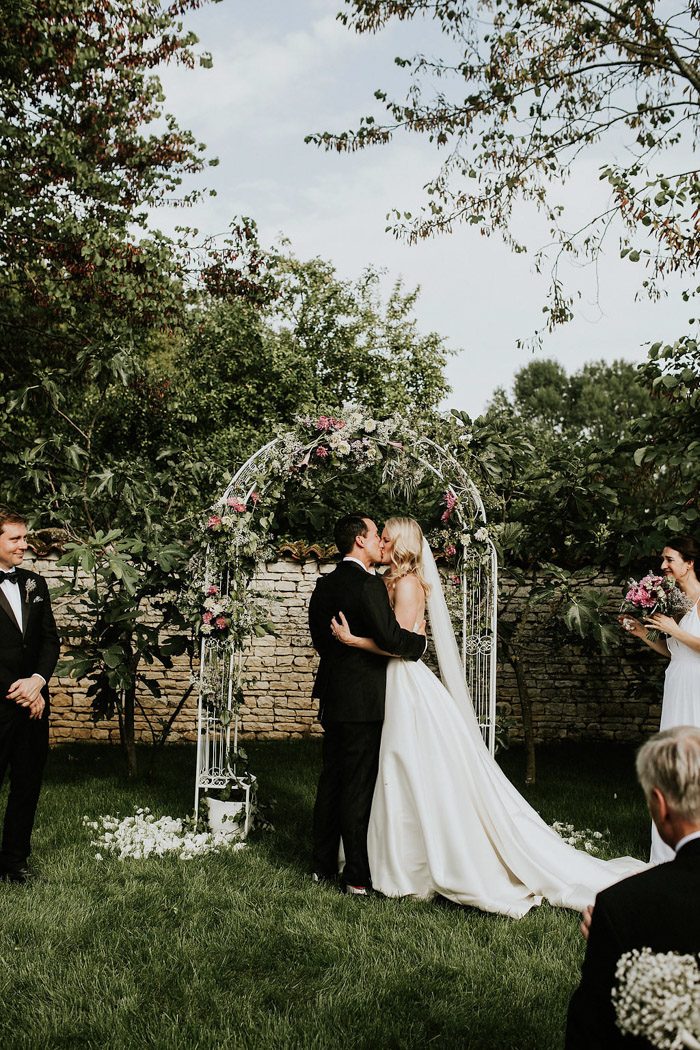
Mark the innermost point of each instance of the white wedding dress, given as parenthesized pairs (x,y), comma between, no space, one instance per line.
(445,819)
(681,703)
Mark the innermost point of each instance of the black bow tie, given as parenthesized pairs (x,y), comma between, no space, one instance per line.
(11,576)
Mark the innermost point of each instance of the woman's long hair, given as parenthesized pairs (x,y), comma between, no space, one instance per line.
(407,552)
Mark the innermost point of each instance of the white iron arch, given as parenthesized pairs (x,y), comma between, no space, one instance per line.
(218,721)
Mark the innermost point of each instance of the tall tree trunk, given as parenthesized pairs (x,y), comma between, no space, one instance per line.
(127,729)
(526,713)
(160,741)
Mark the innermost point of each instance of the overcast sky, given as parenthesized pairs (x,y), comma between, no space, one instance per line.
(284,68)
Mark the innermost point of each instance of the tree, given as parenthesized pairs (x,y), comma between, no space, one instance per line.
(669,453)
(579,497)
(88,292)
(525,88)
(321,341)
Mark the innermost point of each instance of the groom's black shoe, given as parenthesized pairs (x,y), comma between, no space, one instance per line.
(18,874)
(320,879)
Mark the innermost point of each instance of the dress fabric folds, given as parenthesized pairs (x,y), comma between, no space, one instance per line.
(445,819)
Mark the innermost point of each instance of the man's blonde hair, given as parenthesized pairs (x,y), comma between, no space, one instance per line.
(670,761)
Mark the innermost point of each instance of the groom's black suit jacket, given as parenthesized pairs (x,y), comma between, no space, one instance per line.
(658,909)
(351,683)
(31,649)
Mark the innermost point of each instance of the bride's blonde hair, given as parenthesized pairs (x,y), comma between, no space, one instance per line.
(407,551)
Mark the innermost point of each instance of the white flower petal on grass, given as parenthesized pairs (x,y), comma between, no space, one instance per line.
(143,835)
(583,839)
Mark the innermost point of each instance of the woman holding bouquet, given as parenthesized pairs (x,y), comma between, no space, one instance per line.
(681,701)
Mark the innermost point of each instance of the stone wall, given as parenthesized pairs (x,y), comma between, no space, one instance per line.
(576,694)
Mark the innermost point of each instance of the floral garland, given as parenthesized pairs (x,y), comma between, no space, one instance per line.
(237,531)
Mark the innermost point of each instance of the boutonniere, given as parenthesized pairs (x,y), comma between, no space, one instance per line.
(29,587)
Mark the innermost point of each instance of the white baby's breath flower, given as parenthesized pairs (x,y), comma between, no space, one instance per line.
(658,997)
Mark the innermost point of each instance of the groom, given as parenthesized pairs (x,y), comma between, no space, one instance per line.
(350,686)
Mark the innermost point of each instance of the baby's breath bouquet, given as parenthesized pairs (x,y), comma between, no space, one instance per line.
(658,997)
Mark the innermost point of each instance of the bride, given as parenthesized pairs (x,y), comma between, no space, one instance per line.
(445,819)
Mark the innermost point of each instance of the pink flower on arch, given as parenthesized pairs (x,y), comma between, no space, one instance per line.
(207,617)
(221,622)
(450,550)
(450,500)
(254,497)
(322,452)
(212,589)
(214,522)
(326,423)
(236,504)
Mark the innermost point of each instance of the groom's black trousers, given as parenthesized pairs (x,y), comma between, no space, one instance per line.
(344,798)
(24,746)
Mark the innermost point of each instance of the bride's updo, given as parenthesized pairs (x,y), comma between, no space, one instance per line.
(407,551)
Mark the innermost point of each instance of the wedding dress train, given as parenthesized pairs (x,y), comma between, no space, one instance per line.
(445,819)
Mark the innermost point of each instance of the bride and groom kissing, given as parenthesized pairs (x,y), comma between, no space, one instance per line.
(407,783)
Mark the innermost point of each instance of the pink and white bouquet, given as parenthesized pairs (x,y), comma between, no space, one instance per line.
(652,594)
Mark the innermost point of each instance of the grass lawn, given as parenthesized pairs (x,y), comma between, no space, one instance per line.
(242,951)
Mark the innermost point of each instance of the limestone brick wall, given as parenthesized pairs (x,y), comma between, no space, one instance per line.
(576,694)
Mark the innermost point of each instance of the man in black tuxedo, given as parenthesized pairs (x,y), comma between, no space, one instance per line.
(350,686)
(29,648)
(659,908)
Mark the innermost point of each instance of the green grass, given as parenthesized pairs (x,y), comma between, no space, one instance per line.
(242,951)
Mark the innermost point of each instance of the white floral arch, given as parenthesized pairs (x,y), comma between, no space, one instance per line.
(231,612)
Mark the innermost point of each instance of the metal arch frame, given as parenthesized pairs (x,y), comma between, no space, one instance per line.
(212,742)
(479,645)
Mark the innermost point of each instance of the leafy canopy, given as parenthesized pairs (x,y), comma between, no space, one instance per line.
(522,89)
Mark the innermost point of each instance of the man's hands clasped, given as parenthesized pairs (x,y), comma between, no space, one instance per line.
(27,693)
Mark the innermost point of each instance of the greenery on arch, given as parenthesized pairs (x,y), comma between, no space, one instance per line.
(409,465)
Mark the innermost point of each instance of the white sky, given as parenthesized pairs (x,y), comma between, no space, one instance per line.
(285,68)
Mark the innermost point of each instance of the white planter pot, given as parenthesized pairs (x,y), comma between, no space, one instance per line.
(226,817)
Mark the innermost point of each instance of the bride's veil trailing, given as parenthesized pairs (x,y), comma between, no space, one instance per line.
(442,631)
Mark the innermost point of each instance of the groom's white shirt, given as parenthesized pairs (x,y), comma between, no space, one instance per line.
(357,561)
(14,598)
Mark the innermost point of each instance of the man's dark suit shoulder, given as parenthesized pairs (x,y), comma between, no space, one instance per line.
(652,884)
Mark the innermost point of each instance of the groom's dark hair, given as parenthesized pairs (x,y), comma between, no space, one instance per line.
(347,529)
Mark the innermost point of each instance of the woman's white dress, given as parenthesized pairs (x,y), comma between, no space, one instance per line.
(681,702)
